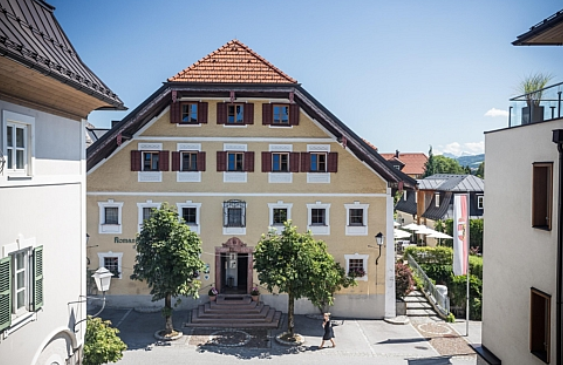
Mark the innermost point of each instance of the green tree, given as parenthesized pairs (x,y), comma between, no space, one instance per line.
(300,266)
(481,170)
(168,259)
(430,165)
(101,343)
(447,165)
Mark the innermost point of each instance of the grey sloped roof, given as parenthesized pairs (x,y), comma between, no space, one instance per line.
(439,212)
(409,205)
(30,35)
(456,183)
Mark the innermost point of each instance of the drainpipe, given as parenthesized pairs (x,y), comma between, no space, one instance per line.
(558,139)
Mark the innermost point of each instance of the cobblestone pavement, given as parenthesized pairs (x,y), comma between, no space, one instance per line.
(360,341)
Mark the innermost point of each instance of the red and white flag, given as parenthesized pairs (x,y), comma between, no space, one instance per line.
(461,233)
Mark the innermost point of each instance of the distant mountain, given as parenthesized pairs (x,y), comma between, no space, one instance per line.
(473,161)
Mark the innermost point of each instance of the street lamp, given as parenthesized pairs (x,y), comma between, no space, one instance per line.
(379,240)
(102,277)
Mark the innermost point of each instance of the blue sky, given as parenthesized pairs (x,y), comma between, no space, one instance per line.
(402,74)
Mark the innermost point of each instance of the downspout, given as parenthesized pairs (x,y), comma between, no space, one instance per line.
(558,139)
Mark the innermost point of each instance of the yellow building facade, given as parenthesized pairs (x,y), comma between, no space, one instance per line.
(238,147)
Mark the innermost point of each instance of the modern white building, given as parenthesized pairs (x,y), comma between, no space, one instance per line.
(522,273)
(46,93)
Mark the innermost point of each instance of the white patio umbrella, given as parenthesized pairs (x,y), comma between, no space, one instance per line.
(395,224)
(398,233)
(425,230)
(439,236)
(412,227)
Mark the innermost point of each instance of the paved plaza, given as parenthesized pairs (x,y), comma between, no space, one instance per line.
(422,342)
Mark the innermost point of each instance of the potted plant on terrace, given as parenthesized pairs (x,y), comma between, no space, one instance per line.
(531,86)
(255,293)
(212,293)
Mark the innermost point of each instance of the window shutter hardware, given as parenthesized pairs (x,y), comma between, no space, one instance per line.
(5,293)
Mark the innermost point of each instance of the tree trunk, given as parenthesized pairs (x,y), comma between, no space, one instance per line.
(168,313)
(290,313)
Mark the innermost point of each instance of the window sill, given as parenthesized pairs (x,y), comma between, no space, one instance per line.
(235,125)
(19,177)
(543,228)
(181,125)
(20,322)
(280,126)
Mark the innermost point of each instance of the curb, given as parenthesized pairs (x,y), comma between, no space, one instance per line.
(399,320)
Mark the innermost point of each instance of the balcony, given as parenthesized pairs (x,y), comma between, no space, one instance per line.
(540,106)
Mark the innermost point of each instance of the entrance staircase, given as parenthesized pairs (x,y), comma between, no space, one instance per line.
(234,311)
(418,306)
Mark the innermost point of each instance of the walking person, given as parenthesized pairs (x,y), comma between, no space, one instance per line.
(328,331)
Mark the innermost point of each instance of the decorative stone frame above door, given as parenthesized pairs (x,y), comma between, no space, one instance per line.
(234,244)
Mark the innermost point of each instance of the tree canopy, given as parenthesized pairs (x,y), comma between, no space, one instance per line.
(168,259)
(300,266)
(101,343)
(442,165)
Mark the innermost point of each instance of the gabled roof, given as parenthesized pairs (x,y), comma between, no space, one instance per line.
(548,32)
(234,62)
(455,183)
(258,89)
(30,35)
(434,212)
(414,161)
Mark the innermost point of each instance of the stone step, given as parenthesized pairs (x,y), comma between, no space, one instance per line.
(415,293)
(419,305)
(415,299)
(223,308)
(233,299)
(270,321)
(420,313)
(262,312)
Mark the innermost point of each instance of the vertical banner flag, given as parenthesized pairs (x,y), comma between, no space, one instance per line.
(461,234)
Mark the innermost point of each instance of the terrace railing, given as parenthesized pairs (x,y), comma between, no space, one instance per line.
(539,106)
(440,300)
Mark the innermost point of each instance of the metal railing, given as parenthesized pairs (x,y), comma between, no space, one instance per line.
(440,301)
(538,106)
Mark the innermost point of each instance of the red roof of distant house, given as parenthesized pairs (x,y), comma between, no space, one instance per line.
(233,63)
(414,162)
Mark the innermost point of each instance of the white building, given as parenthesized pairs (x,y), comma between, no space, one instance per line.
(46,93)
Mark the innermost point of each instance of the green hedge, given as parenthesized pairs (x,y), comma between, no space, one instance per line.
(437,264)
(475,232)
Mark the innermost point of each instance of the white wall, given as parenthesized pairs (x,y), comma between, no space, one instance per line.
(517,256)
(49,207)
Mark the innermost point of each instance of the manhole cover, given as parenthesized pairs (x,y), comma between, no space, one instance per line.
(435,329)
(229,338)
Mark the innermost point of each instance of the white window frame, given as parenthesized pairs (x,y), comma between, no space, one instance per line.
(480,202)
(140,207)
(188,176)
(279,205)
(227,231)
(357,256)
(110,228)
(318,230)
(319,177)
(119,255)
(149,176)
(352,230)
(437,199)
(28,124)
(189,204)
(23,316)
(234,176)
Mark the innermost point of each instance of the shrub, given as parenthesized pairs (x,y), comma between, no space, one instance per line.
(403,280)
(101,343)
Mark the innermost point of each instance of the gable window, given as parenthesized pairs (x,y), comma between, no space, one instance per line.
(150,161)
(189,161)
(356,266)
(17,135)
(113,262)
(188,113)
(480,202)
(318,162)
(280,114)
(357,218)
(235,114)
(190,213)
(280,162)
(542,195)
(110,214)
(21,285)
(540,324)
(234,216)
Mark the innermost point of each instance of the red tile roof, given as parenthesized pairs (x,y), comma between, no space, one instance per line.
(414,162)
(233,63)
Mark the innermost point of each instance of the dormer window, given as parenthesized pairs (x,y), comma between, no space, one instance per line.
(188,113)
(280,114)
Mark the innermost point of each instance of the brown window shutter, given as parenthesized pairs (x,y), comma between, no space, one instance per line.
(248,113)
(267,114)
(266,161)
(305,162)
(175,112)
(175,161)
(221,113)
(294,162)
(294,114)
(135,160)
(332,162)
(201,161)
(163,161)
(202,112)
(249,161)
(221,161)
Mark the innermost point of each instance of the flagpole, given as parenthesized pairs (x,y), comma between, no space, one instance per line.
(468,237)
